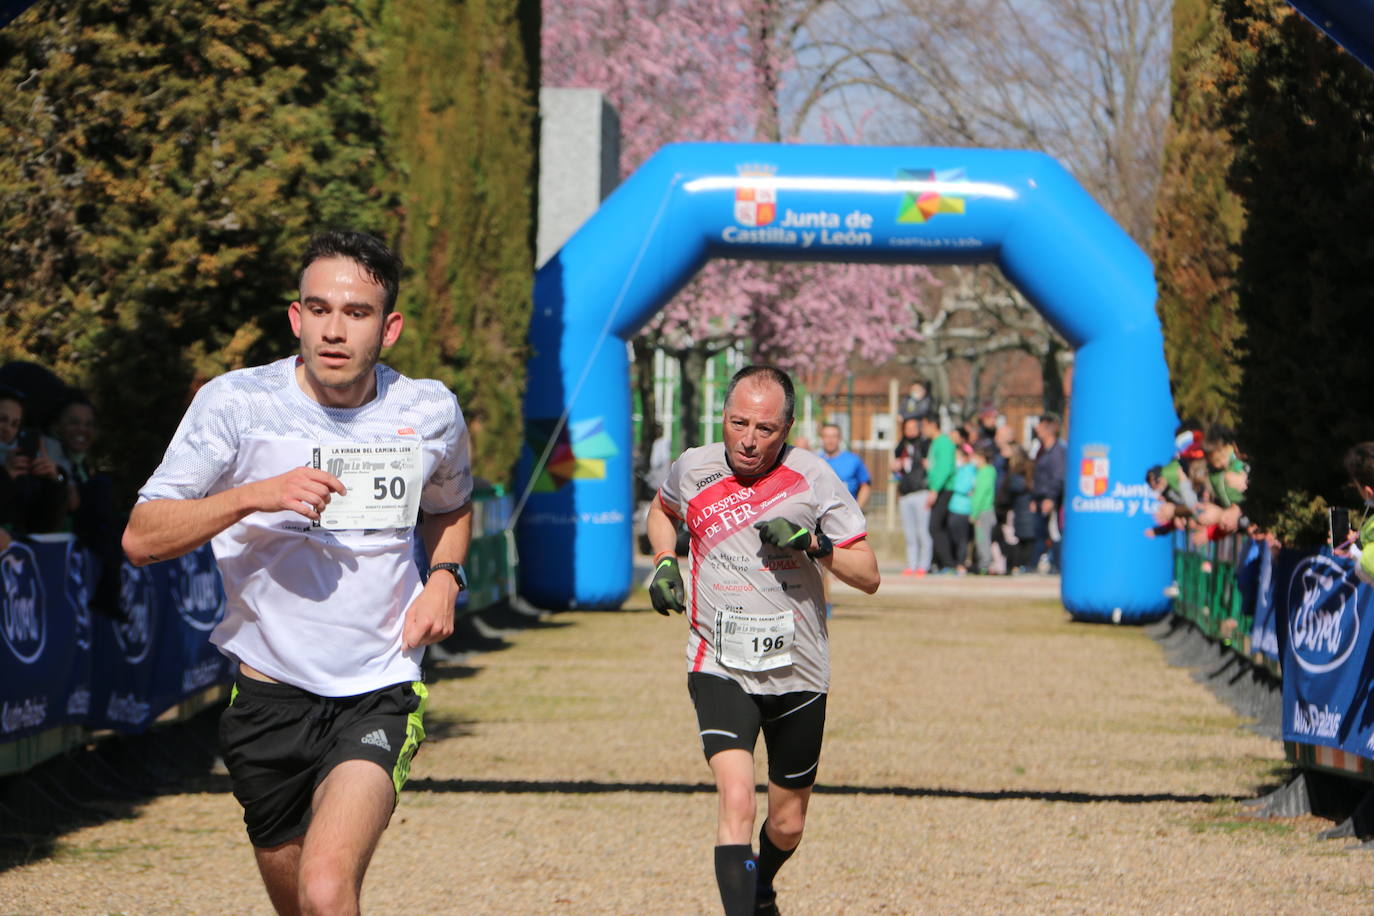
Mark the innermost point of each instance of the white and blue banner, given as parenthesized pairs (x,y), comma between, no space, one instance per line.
(61,664)
(1259,575)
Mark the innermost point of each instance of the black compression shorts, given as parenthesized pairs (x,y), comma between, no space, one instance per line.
(279,743)
(793,726)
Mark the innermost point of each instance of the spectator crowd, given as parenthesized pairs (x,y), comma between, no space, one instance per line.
(971,499)
(52,480)
(1202,487)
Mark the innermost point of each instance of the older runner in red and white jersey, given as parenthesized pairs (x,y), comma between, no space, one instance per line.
(763,518)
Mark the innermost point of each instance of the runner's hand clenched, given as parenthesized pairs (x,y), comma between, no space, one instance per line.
(781,533)
(302,490)
(666,590)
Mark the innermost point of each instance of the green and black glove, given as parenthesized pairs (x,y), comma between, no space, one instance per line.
(666,590)
(781,533)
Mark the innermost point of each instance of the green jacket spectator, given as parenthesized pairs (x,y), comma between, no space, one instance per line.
(984,490)
(961,503)
(940,475)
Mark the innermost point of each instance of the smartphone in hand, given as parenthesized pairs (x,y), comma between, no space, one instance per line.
(26,443)
(1338,526)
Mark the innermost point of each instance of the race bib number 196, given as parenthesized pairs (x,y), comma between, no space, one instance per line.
(383,481)
(753,642)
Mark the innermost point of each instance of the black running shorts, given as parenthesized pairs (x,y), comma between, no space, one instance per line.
(793,725)
(280,742)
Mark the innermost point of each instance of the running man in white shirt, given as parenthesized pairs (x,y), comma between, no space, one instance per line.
(764,519)
(326,614)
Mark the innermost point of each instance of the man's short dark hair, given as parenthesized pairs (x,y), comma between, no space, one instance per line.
(770,374)
(1359,463)
(370,253)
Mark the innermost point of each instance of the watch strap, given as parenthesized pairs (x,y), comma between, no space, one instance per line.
(824,546)
(455,568)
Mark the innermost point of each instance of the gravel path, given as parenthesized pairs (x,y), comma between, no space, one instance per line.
(984,754)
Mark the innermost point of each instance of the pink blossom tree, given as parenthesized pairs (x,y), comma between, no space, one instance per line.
(714,70)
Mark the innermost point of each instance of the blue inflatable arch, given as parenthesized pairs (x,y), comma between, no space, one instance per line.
(692,202)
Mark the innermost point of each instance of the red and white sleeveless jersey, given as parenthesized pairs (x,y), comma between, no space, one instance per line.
(732,570)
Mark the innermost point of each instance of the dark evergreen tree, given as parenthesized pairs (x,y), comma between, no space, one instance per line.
(460,95)
(1301,112)
(163,163)
(163,166)
(1197,225)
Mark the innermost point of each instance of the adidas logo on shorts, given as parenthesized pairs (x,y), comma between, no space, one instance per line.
(377,738)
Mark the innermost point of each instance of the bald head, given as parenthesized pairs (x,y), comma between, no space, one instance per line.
(769,377)
(758,417)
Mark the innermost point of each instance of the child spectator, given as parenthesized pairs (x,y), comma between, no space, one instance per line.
(960,506)
(1226,480)
(981,506)
(1024,517)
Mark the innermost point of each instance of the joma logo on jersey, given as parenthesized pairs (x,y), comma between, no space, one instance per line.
(756,204)
(709,479)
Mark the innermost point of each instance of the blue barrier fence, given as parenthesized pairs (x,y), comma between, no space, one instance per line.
(66,672)
(1304,616)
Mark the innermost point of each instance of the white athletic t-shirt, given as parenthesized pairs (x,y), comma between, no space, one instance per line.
(733,571)
(321,610)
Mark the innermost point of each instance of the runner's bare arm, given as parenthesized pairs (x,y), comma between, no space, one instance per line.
(854,565)
(161,529)
(659,526)
(429,618)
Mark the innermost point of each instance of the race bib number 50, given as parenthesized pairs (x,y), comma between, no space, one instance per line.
(383,481)
(754,642)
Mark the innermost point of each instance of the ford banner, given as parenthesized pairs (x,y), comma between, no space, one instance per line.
(1326,619)
(62,664)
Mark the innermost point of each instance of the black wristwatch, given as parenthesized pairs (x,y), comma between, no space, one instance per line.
(824,546)
(456,569)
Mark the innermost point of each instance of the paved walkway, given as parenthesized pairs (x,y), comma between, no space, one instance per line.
(984,754)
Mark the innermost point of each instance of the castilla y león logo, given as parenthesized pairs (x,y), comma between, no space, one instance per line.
(1094,471)
(579,451)
(756,204)
(922,205)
